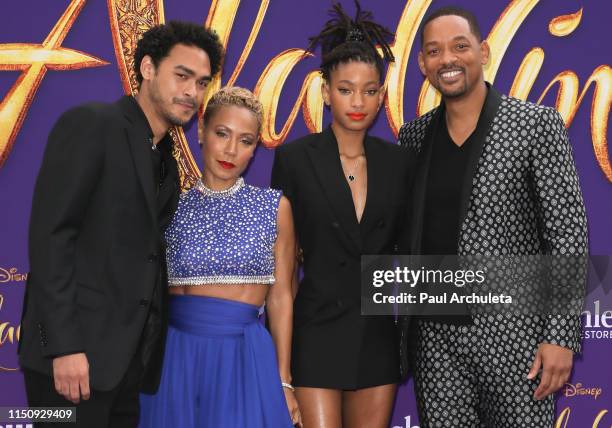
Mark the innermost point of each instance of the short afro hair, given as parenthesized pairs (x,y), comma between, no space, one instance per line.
(234,96)
(159,40)
(452,11)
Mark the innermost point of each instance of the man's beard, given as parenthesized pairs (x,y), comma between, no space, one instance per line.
(457,93)
(170,117)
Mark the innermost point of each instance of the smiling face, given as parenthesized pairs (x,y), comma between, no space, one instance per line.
(228,143)
(176,87)
(452,57)
(354,95)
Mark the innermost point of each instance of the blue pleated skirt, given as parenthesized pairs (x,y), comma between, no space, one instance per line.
(220,369)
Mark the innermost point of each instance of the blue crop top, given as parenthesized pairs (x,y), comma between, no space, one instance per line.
(223,237)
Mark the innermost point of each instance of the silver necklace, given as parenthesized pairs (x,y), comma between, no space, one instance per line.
(206,191)
(350,173)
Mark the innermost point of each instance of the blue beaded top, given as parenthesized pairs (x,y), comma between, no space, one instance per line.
(223,237)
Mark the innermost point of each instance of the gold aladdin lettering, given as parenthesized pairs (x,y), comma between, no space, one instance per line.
(33,60)
(126,28)
(271,83)
(10,334)
(564,417)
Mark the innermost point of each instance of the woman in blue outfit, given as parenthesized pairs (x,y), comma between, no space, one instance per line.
(230,248)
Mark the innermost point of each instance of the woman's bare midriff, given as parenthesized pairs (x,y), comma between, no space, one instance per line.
(254,294)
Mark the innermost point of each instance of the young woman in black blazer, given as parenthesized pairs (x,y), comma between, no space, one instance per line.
(348,192)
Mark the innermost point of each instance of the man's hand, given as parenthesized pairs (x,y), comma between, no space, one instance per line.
(71,376)
(556,364)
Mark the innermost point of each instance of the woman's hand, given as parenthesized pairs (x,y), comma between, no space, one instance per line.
(292,405)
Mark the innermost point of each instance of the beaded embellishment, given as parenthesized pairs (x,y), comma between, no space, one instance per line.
(223,237)
(220,193)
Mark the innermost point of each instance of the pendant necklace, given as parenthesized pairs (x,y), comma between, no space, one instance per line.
(351,176)
(350,172)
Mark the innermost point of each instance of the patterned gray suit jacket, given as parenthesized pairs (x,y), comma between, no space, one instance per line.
(521,195)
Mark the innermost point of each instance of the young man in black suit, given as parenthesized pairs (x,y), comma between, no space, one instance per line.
(93,322)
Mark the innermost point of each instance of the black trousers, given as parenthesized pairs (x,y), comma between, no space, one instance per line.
(117,408)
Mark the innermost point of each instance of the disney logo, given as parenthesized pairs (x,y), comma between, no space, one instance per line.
(580,390)
(11,275)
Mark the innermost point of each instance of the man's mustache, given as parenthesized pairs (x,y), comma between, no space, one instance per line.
(188,101)
(451,68)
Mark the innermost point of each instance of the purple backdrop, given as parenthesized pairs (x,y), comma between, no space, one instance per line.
(287,24)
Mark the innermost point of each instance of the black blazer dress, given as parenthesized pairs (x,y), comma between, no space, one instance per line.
(334,346)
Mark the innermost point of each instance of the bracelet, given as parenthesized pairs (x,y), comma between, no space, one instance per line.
(288,386)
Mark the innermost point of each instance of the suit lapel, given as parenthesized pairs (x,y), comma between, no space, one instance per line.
(420,181)
(325,158)
(378,187)
(138,137)
(489,110)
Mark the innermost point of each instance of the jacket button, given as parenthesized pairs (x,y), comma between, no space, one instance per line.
(152,258)
(143,302)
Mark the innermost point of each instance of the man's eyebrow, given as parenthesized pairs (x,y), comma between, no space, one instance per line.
(456,38)
(185,69)
(190,72)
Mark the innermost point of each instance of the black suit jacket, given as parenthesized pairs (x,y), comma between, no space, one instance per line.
(328,303)
(95,245)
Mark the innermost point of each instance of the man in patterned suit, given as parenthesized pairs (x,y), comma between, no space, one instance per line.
(496,177)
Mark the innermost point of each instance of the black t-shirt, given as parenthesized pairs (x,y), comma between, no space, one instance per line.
(161,158)
(445,182)
(156,163)
(163,183)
